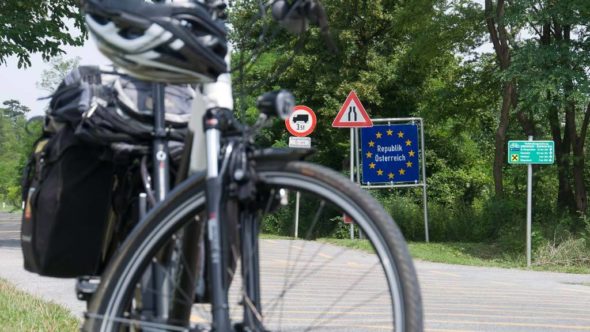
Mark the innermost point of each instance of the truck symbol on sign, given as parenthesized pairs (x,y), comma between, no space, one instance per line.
(301,118)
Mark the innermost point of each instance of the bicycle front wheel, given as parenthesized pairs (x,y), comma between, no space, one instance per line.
(314,282)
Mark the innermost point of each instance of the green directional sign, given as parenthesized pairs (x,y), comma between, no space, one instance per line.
(531,152)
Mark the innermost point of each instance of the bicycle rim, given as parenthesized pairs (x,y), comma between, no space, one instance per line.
(306,284)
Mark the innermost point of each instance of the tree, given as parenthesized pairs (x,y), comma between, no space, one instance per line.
(13,109)
(13,141)
(41,26)
(553,71)
(60,67)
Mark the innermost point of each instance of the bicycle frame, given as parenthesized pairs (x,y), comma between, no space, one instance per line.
(219,299)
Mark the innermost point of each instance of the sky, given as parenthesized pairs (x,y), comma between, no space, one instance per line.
(20,84)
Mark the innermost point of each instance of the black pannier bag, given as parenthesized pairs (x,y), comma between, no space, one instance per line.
(96,124)
(66,189)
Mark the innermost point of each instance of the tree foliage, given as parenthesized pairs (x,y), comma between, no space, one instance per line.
(388,50)
(552,71)
(15,146)
(38,26)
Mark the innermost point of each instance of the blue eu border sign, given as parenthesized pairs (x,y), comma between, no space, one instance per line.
(390,154)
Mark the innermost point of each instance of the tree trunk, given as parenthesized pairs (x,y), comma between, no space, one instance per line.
(499,38)
(577,141)
(500,142)
(578,165)
(579,186)
(565,195)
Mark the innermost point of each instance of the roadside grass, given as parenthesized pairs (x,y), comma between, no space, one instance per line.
(474,254)
(5,207)
(8,208)
(267,236)
(20,311)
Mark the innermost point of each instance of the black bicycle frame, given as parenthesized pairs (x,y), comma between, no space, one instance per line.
(160,143)
(213,121)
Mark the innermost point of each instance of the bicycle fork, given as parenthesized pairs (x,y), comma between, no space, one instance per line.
(219,299)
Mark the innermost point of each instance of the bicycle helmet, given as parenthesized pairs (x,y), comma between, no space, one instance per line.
(172,42)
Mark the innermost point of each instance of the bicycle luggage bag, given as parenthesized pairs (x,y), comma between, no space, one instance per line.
(124,113)
(66,193)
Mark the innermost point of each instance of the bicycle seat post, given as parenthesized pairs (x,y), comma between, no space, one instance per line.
(160,146)
(161,178)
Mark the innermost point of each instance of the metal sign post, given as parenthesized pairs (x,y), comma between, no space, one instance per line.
(424,196)
(297,198)
(358,166)
(352,172)
(300,123)
(529,211)
(528,153)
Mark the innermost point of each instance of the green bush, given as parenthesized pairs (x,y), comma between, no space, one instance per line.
(282,221)
(342,230)
(484,220)
(13,196)
(407,214)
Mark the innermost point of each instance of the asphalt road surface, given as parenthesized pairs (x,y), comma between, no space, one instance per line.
(456,298)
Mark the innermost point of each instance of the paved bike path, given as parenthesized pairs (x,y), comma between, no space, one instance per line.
(456,298)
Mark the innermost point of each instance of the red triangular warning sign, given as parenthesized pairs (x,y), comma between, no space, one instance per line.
(352,114)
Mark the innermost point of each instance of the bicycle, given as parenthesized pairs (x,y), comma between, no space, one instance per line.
(209,226)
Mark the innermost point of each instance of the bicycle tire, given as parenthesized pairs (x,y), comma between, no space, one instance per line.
(108,307)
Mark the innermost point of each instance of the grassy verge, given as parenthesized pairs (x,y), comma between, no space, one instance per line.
(20,311)
(8,208)
(475,254)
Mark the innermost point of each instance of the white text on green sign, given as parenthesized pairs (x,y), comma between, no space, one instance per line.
(531,152)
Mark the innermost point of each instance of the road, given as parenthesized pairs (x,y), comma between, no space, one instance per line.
(456,298)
